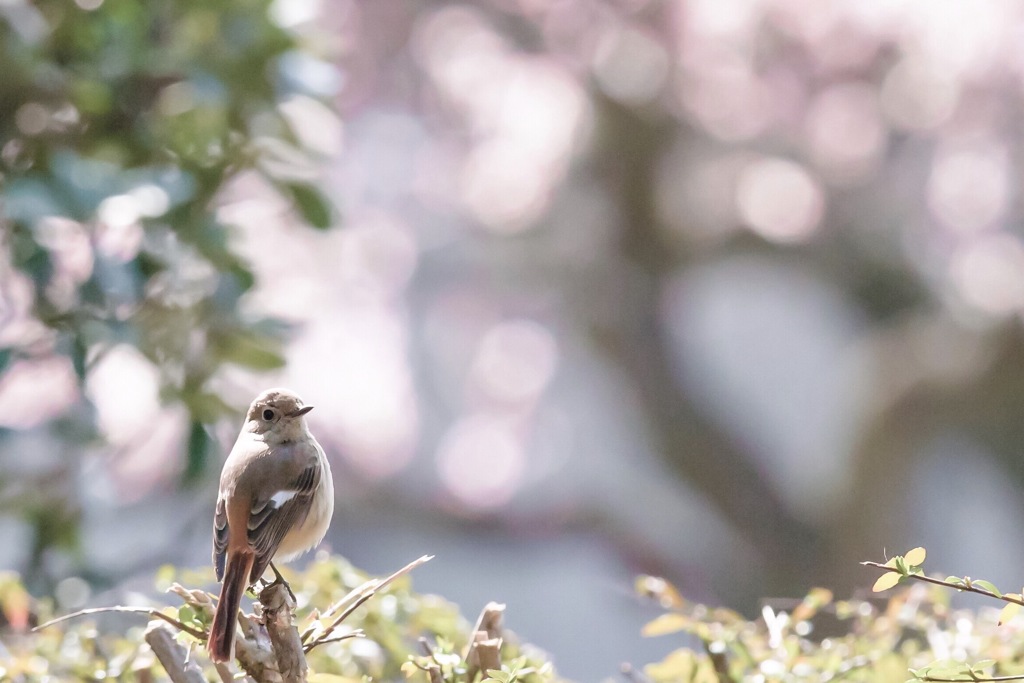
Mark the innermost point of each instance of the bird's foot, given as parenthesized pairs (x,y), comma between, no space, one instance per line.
(279,581)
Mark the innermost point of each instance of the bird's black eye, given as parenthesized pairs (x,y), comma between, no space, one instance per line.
(268,414)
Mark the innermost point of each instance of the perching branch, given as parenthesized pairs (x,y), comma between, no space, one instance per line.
(278,604)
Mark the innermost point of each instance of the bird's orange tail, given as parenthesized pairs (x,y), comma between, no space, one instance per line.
(236,578)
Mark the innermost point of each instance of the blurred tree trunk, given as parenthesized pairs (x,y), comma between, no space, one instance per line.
(627,322)
(982,405)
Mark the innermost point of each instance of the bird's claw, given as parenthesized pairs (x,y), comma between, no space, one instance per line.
(279,580)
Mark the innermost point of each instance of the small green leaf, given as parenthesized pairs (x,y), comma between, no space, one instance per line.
(886,581)
(250,350)
(79,351)
(198,443)
(671,622)
(989,586)
(312,204)
(186,614)
(915,557)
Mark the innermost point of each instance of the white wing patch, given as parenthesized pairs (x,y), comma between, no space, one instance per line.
(282,497)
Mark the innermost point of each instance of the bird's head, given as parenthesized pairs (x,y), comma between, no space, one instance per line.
(279,413)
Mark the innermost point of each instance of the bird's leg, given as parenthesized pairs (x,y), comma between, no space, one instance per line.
(278,579)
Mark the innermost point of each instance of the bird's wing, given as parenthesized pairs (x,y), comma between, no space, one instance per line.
(274,514)
(220,538)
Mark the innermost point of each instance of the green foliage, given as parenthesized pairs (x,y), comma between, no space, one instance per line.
(120,128)
(123,124)
(398,628)
(914,635)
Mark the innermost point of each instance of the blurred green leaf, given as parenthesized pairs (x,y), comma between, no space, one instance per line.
(312,205)
(206,407)
(251,351)
(198,449)
(79,352)
(127,122)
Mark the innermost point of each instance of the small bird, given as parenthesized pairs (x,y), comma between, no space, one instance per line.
(276,501)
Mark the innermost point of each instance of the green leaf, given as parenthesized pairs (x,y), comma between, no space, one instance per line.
(259,353)
(312,204)
(915,557)
(987,585)
(186,614)
(198,444)
(78,353)
(886,581)
(1009,611)
(664,624)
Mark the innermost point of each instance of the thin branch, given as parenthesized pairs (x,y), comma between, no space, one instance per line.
(967,587)
(199,635)
(360,595)
(719,661)
(345,636)
(978,679)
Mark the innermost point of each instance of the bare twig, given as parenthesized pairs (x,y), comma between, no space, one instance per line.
(490,619)
(172,654)
(355,598)
(345,636)
(975,679)
(487,654)
(195,633)
(484,649)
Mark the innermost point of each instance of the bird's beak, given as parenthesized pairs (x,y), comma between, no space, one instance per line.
(301,411)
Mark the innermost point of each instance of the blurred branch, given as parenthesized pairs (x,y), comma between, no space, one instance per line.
(920,405)
(629,152)
(484,650)
(132,610)
(172,655)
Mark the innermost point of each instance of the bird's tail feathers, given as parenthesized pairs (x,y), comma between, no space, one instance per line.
(236,578)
